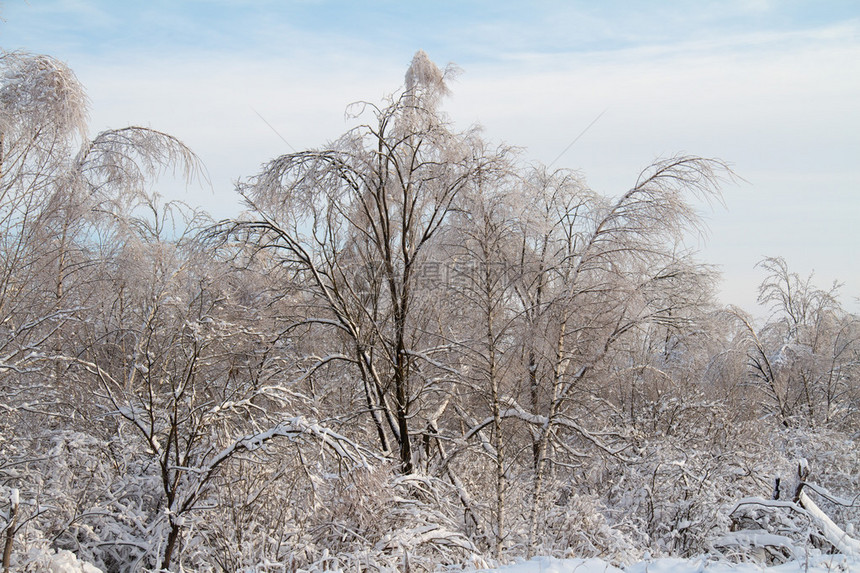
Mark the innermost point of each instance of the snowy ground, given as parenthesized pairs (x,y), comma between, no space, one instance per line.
(66,562)
(822,564)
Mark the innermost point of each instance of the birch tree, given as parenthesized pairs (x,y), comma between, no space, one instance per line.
(54,182)
(352,224)
(599,270)
(804,360)
(481,241)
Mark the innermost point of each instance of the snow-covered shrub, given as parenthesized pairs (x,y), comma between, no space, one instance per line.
(77,496)
(381,520)
(678,489)
(777,526)
(577,526)
(50,561)
(834,464)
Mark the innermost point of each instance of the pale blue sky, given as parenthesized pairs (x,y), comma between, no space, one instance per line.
(772,87)
(474,31)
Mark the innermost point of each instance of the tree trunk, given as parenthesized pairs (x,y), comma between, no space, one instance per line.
(401,379)
(543,443)
(172,539)
(402,399)
(533,388)
(498,442)
(371,406)
(537,491)
(10,536)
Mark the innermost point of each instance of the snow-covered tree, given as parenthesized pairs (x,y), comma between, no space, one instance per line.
(353,224)
(805,360)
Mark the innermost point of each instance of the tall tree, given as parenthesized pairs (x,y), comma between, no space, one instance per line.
(353,223)
(594,272)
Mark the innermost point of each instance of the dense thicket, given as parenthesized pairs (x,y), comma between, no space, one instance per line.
(409,350)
